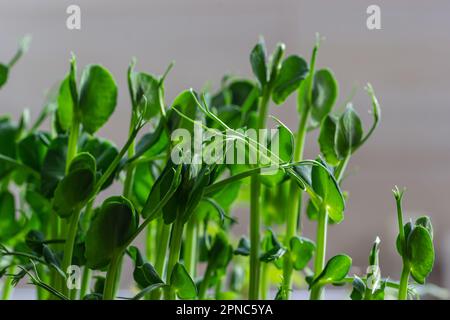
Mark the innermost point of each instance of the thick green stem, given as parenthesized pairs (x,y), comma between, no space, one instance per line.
(255,214)
(111,277)
(161,253)
(204,285)
(68,246)
(85,282)
(149,237)
(294,205)
(403,289)
(265,284)
(7,285)
(190,248)
(174,255)
(319,263)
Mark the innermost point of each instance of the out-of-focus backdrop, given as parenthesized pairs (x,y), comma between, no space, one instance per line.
(407,61)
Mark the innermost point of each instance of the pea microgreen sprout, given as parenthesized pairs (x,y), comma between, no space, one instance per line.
(53,223)
(415,246)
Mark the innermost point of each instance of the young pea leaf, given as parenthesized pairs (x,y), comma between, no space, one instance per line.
(76,187)
(187,105)
(335,270)
(221,252)
(350,132)
(327,139)
(8,134)
(8,223)
(110,229)
(180,280)
(359,288)
(142,183)
(104,152)
(144,273)
(148,93)
(152,144)
(301,251)
(148,290)
(324,95)
(326,187)
(272,248)
(32,150)
(98,97)
(401,247)
(258,62)
(420,253)
(293,71)
(54,166)
(243,248)
(66,105)
(425,222)
(282,146)
(275,61)
(167,182)
(373,257)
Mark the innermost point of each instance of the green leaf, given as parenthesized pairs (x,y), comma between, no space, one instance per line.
(167,182)
(182,283)
(8,134)
(4,70)
(327,139)
(152,144)
(104,152)
(293,71)
(221,252)
(325,186)
(54,166)
(407,228)
(373,256)
(110,229)
(272,248)
(98,97)
(8,224)
(258,62)
(77,186)
(359,288)
(324,95)
(243,248)
(335,270)
(148,94)
(301,251)
(66,105)
(32,150)
(425,222)
(350,132)
(144,274)
(420,253)
(142,183)
(275,61)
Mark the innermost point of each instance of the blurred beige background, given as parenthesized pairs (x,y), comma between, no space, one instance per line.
(407,62)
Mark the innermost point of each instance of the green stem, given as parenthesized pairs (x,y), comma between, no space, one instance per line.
(111,278)
(7,286)
(340,169)
(255,214)
(72,146)
(190,247)
(294,205)
(68,246)
(403,289)
(265,284)
(149,241)
(204,285)
(85,282)
(319,263)
(163,241)
(174,255)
